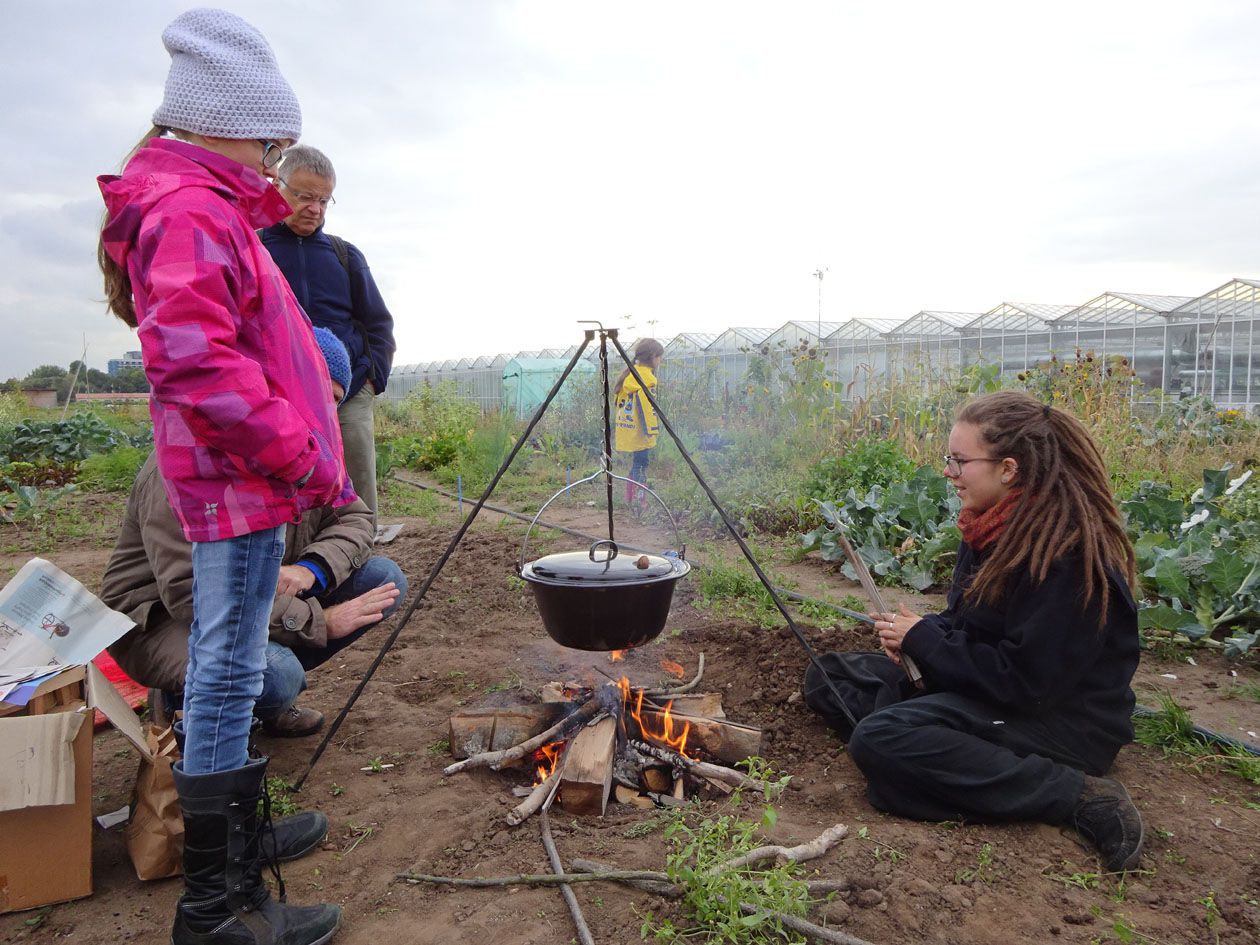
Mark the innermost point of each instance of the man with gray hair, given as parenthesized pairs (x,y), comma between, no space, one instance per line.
(332,281)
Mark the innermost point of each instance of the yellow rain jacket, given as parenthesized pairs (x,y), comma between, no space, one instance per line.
(634,420)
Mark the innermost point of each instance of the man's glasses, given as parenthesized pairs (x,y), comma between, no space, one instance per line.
(302,198)
(954,465)
(273,154)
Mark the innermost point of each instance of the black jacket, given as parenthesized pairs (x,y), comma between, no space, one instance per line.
(347,303)
(1040,653)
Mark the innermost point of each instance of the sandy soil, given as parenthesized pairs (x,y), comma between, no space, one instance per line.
(478,637)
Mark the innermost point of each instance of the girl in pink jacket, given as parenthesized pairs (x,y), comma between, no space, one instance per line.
(245,429)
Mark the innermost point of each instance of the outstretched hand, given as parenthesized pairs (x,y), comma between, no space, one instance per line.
(343,619)
(892,628)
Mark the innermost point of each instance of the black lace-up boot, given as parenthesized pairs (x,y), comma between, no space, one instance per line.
(1106,817)
(225,901)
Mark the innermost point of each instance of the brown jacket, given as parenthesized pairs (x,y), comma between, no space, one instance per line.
(149,578)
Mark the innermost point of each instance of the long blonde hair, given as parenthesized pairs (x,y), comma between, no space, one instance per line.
(646,350)
(118,295)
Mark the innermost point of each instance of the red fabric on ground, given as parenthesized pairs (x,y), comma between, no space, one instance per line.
(135,694)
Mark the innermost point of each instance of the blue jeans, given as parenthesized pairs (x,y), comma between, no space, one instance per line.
(639,460)
(234,584)
(284,679)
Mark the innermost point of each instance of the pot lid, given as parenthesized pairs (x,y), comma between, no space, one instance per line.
(602,562)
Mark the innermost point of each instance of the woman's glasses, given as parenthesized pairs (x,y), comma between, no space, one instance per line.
(273,154)
(954,465)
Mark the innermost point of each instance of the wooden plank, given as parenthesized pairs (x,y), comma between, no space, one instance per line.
(588,769)
(715,739)
(494,728)
(704,705)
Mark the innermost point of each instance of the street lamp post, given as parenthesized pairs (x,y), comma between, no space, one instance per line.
(819,273)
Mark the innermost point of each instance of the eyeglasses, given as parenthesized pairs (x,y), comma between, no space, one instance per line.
(273,154)
(302,198)
(954,465)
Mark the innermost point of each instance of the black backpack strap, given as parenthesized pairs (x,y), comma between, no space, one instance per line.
(342,249)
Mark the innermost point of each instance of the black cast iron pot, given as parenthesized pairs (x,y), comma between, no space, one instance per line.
(612,602)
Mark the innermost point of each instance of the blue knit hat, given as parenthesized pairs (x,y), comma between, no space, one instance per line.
(337,357)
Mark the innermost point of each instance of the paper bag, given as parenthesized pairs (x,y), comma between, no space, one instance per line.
(155,836)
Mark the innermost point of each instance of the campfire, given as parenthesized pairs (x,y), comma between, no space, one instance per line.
(646,747)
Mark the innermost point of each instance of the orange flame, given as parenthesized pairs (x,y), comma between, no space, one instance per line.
(616,656)
(667,735)
(549,755)
(674,669)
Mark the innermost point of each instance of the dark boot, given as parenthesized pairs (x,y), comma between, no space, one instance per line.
(225,901)
(1106,817)
(288,838)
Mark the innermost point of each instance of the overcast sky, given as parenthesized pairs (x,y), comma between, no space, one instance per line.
(511,167)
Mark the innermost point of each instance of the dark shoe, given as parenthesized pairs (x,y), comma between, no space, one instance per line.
(1106,817)
(225,901)
(294,836)
(294,722)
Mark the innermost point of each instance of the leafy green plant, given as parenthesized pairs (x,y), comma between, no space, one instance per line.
(281,798)
(906,533)
(714,893)
(28,503)
(62,441)
(869,461)
(114,471)
(1199,562)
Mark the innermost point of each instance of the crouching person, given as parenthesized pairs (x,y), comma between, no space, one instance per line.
(331,591)
(1027,672)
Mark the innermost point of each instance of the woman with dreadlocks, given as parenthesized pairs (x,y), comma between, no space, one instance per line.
(1026,699)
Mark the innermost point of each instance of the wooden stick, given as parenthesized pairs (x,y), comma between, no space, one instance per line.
(497,759)
(525,808)
(526,879)
(570,898)
(679,690)
(700,768)
(872,591)
(797,854)
(807,928)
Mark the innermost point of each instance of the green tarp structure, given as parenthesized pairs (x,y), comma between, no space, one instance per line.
(527,381)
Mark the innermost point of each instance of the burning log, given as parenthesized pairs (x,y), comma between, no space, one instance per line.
(475,731)
(558,732)
(588,770)
(537,797)
(714,738)
(700,769)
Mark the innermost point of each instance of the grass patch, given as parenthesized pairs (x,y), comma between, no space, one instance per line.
(736,592)
(1171,730)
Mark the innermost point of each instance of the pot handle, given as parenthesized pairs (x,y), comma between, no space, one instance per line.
(612,549)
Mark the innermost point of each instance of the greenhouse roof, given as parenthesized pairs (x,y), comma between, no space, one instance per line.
(932,324)
(862,328)
(813,329)
(1016,316)
(1237,298)
(691,341)
(1125,308)
(735,338)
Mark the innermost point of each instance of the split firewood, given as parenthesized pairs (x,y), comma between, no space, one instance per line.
(656,779)
(680,786)
(475,731)
(699,768)
(714,738)
(704,705)
(558,732)
(588,769)
(797,854)
(632,798)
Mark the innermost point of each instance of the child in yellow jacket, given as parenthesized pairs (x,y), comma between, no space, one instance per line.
(634,420)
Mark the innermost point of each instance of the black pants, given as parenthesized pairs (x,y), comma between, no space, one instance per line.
(945,756)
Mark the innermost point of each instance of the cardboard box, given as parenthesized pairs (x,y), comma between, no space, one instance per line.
(46,786)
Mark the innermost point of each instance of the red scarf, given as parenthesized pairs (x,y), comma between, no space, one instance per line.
(982,529)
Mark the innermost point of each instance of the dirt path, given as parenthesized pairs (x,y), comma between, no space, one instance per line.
(478,637)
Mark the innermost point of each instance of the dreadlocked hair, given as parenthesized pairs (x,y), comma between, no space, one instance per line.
(118,297)
(1066,505)
(644,351)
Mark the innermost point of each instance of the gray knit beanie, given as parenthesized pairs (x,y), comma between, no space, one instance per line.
(224,81)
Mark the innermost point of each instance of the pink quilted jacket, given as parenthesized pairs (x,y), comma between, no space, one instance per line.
(241,401)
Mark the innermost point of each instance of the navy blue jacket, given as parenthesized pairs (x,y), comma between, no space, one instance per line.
(349,304)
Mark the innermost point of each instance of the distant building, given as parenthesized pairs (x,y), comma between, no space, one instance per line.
(40,396)
(130,359)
